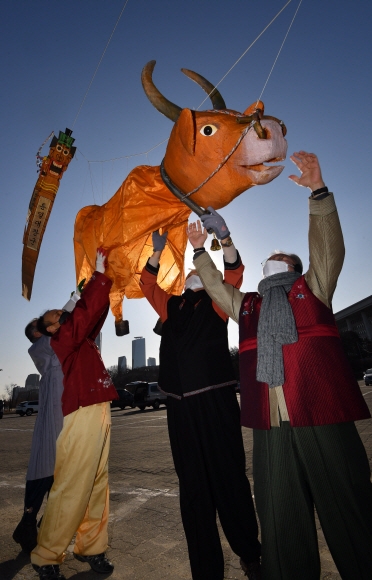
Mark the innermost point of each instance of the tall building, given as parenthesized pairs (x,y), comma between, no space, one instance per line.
(122,363)
(151,362)
(138,352)
(98,341)
(32,382)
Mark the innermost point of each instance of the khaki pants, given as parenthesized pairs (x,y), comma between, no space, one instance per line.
(79,499)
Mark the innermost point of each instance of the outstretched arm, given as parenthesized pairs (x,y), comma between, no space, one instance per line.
(156,296)
(226,296)
(197,235)
(326,245)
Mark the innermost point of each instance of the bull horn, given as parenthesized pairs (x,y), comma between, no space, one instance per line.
(214,94)
(155,97)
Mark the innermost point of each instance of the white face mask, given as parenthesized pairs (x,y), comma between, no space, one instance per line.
(193,283)
(274,267)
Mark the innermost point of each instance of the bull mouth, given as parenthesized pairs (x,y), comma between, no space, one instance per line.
(262,174)
(262,167)
(56,168)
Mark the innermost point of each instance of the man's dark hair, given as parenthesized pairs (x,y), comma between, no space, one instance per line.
(41,325)
(30,329)
(298,267)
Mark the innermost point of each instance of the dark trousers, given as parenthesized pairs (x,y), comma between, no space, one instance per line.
(36,489)
(297,468)
(209,458)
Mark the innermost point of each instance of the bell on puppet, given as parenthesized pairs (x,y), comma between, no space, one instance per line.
(51,169)
(215,245)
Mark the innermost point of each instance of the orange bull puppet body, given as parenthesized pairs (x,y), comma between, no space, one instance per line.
(211,158)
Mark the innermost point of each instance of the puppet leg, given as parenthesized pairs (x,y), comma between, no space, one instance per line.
(116,305)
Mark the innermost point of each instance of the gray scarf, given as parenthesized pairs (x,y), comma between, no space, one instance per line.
(276,326)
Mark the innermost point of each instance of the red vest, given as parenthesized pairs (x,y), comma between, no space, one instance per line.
(319,386)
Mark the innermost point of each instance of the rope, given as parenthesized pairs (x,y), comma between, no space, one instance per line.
(243,134)
(165,140)
(125,156)
(280,49)
(38,156)
(245,52)
(99,63)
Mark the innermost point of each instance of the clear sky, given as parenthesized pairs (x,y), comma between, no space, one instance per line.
(321,87)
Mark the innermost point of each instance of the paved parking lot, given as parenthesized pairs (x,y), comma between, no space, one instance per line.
(146,534)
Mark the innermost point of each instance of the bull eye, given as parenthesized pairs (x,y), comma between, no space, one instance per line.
(59,148)
(208,130)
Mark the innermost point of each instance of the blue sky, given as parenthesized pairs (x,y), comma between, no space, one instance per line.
(320,87)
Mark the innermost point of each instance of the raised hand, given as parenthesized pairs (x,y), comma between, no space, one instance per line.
(100,260)
(311,175)
(159,241)
(196,234)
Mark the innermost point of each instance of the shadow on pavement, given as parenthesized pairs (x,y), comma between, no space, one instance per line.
(10,568)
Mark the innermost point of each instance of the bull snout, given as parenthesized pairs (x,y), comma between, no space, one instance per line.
(271,148)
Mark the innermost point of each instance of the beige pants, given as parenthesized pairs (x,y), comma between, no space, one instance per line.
(79,499)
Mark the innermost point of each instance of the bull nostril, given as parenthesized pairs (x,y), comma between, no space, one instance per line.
(261,131)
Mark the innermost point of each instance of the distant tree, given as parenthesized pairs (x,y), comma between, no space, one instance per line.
(352,343)
(234,353)
(9,394)
(120,377)
(358,351)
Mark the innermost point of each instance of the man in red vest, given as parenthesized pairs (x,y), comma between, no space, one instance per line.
(79,499)
(299,395)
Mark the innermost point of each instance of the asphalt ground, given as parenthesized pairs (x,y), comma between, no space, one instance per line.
(146,538)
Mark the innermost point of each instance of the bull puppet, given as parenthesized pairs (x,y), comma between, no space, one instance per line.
(211,158)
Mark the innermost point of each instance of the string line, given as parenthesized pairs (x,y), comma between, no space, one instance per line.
(245,52)
(280,49)
(99,63)
(220,81)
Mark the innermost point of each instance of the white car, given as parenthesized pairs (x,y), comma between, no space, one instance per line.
(368,377)
(27,408)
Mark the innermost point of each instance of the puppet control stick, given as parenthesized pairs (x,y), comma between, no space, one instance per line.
(187,201)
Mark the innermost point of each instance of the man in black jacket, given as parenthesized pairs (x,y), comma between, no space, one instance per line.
(197,376)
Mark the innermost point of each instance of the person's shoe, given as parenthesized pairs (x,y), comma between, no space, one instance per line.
(251,570)
(25,534)
(49,572)
(99,563)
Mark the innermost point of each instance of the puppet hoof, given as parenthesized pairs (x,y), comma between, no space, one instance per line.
(122,328)
(158,327)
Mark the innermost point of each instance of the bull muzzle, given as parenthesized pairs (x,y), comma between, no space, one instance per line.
(255,121)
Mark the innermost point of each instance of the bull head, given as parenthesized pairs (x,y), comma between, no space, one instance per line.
(218,153)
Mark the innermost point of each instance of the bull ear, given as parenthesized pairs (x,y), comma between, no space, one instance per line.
(251,109)
(185,127)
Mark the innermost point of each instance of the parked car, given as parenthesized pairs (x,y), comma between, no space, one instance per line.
(27,408)
(146,395)
(368,377)
(126,399)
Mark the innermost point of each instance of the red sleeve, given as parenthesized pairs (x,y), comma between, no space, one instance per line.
(88,315)
(157,297)
(235,278)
